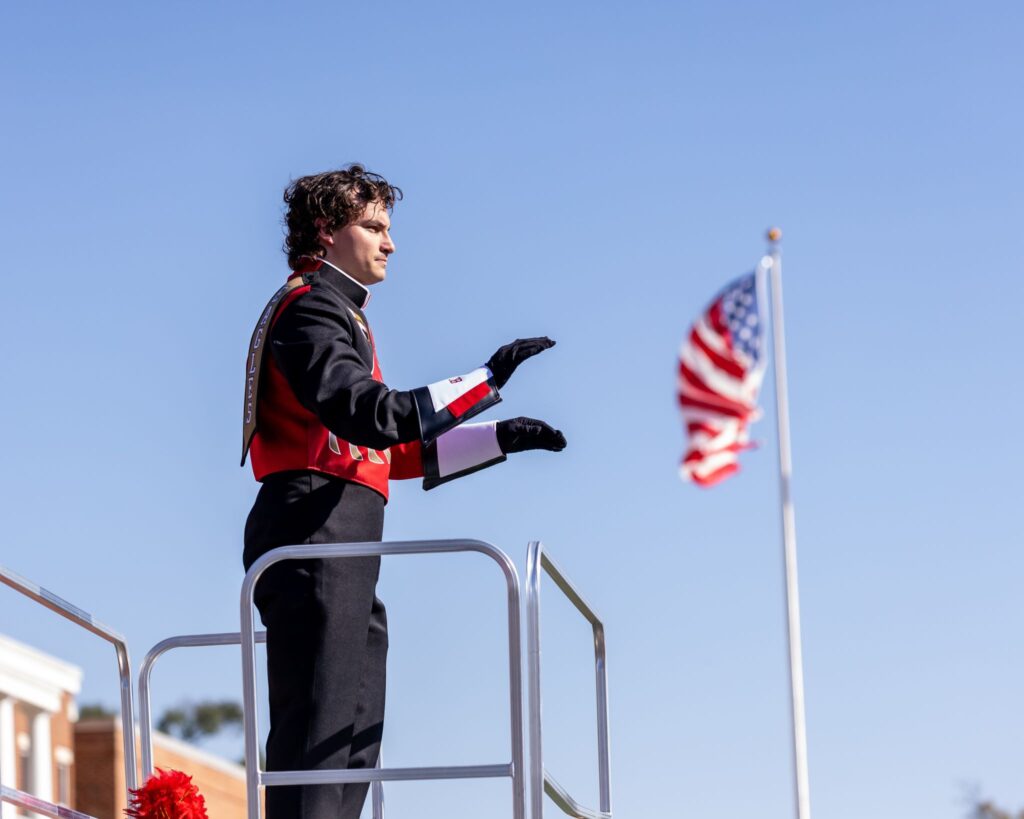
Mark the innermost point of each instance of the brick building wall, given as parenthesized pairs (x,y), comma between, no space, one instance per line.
(99,771)
(99,768)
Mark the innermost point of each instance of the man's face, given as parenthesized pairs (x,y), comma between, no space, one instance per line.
(361,248)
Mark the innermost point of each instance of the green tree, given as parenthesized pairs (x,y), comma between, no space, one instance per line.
(95,710)
(195,721)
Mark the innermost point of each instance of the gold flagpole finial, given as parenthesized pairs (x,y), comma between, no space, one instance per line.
(774,234)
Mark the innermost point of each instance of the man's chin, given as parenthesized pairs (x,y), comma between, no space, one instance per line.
(371,277)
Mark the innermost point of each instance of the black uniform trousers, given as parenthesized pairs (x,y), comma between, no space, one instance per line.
(327,639)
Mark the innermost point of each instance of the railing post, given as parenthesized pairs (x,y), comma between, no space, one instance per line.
(533,553)
(541,781)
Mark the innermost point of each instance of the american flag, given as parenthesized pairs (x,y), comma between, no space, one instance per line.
(720,372)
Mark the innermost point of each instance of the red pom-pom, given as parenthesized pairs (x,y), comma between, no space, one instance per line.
(167,795)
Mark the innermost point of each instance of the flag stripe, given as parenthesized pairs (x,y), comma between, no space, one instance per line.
(731,434)
(726,364)
(716,320)
(698,455)
(706,480)
(709,401)
(709,379)
(711,337)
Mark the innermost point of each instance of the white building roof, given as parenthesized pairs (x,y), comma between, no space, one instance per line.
(35,678)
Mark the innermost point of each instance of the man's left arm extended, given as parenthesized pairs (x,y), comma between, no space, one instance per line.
(470,448)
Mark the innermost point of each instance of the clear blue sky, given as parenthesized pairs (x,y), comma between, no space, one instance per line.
(595,173)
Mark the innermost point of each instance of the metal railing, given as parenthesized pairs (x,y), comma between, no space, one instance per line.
(146,672)
(37,805)
(145,686)
(540,780)
(89,623)
(256,777)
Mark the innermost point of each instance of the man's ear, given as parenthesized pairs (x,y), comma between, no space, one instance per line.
(323,234)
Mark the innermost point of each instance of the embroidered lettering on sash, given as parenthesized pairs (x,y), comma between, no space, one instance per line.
(254,361)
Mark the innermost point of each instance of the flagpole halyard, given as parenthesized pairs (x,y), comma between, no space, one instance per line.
(773,262)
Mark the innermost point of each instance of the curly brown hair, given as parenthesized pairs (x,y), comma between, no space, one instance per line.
(337,196)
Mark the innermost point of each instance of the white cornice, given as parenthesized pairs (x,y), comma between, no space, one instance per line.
(35,678)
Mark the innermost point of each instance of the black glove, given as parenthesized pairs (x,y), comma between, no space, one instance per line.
(521,434)
(504,362)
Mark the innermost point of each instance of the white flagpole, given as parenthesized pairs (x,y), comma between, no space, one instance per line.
(773,262)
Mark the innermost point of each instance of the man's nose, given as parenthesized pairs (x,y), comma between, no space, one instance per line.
(388,245)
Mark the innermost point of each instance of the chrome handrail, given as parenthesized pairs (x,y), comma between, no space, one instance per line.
(145,686)
(536,562)
(82,618)
(255,777)
(37,805)
(146,671)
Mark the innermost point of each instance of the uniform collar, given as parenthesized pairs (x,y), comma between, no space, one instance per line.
(352,289)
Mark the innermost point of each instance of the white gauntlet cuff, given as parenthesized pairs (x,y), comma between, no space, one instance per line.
(461,451)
